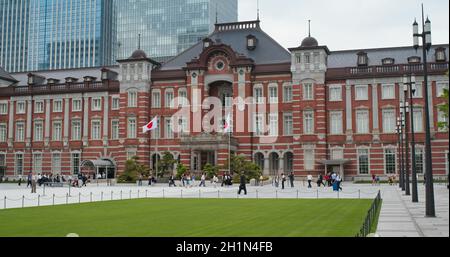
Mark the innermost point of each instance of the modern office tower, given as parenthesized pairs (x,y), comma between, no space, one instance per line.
(56,34)
(168,27)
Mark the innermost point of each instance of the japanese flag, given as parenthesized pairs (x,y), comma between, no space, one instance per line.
(152,125)
(227,126)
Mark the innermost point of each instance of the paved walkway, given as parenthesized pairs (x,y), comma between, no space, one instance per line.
(400,217)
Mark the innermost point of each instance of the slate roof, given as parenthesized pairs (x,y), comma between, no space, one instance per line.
(267,51)
(6,76)
(348,58)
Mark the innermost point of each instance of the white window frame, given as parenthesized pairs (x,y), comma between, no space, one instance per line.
(3,108)
(336,125)
(364,97)
(393,121)
(287,93)
(58,105)
(440,85)
(168,129)
(156,99)
(258,124)
(72,162)
(96,129)
(419,91)
(273,93)
(57,136)
(308,115)
(94,102)
(308,91)
(75,107)
(385,160)
(359,154)
(169,101)
(20,134)
(442,119)
(333,89)
(21,107)
(37,158)
(38,133)
(182,97)
(56,162)
(16,166)
(288,127)
(39,107)
(115,126)
(76,130)
(362,126)
(115,103)
(391,95)
(132,98)
(258,98)
(132,128)
(309,163)
(418,119)
(3,132)
(273,124)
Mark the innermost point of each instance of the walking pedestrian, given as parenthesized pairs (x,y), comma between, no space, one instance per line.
(140,180)
(20,180)
(339,181)
(320,181)
(243,185)
(203,180)
(33,184)
(277,181)
(215,180)
(150,180)
(261,179)
(291,179)
(29,179)
(309,178)
(283,180)
(374,179)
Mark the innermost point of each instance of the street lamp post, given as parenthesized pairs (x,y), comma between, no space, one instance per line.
(402,162)
(426,46)
(411,86)
(404,114)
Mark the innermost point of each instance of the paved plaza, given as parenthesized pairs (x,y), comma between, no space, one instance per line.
(399,216)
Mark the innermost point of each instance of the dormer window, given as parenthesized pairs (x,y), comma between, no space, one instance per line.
(207,42)
(414,60)
(251,42)
(52,81)
(440,55)
(363,60)
(71,80)
(388,61)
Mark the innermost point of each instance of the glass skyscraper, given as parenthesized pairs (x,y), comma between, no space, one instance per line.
(56,34)
(168,27)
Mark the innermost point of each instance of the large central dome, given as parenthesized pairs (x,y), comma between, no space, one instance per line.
(139,54)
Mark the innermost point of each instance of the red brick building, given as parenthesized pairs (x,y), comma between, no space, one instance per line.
(306,109)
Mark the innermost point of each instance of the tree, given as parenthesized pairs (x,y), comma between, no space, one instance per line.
(211,170)
(239,166)
(166,164)
(445,110)
(181,170)
(132,171)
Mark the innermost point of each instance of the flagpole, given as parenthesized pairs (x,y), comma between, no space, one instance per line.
(157,152)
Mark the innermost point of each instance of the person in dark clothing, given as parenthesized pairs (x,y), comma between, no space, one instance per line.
(29,179)
(150,180)
(291,178)
(243,185)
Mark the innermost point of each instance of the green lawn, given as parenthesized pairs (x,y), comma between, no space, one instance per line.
(190,218)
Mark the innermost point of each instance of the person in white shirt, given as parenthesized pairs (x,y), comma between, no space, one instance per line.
(215,180)
(310,178)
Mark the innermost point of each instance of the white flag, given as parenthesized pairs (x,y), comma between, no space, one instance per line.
(227,126)
(152,125)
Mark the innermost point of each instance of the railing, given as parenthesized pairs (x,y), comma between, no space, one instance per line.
(387,70)
(371,216)
(60,88)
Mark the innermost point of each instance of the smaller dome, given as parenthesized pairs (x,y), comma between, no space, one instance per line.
(139,54)
(309,42)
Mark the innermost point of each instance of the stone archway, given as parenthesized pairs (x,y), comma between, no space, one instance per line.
(260,160)
(274,164)
(288,162)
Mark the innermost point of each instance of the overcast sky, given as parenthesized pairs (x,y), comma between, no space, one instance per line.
(347,24)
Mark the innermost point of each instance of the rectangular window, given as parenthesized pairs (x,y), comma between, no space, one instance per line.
(131,128)
(418,93)
(418,120)
(37,163)
(3,108)
(259,95)
(38,131)
(75,162)
(388,92)
(309,159)
(156,133)
(115,103)
(76,105)
(76,130)
(57,105)
(442,119)
(19,164)
(20,131)
(287,93)
(363,161)
(390,164)
(288,124)
(273,124)
(362,92)
(258,124)
(132,99)
(169,99)
(20,107)
(156,100)
(3,132)
(96,130)
(183,125)
(308,122)
(419,160)
(362,122)
(389,122)
(307,58)
(2,160)
(337,154)
(182,98)
(168,130)
(336,123)
(131,154)
(440,86)
(273,94)
(57,131)
(335,93)
(114,129)
(96,104)
(56,163)
(308,91)
(39,107)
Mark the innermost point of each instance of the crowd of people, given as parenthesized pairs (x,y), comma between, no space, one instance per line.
(283,179)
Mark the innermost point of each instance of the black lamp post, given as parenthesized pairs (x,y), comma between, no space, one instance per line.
(410,84)
(426,46)
(402,163)
(404,116)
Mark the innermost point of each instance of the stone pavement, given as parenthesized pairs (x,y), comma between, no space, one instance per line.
(400,217)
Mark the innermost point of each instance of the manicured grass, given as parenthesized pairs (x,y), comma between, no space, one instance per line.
(190,218)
